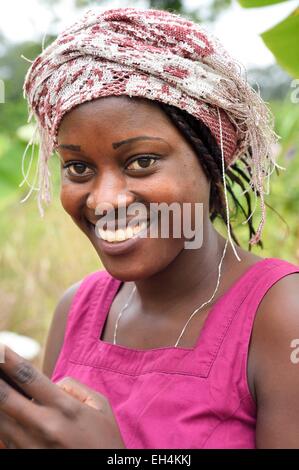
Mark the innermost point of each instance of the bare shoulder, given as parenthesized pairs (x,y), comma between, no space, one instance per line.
(275,373)
(57,329)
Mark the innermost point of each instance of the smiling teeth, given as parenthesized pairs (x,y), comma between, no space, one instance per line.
(119,235)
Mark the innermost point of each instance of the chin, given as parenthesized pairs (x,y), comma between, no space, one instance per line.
(139,264)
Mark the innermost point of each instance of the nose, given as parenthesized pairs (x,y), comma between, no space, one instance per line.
(109,192)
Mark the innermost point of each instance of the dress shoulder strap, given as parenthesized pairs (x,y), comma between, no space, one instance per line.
(85,305)
(235,317)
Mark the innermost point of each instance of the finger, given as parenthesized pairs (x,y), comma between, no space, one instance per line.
(83,393)
(11,434)
(34,383)
(16,406)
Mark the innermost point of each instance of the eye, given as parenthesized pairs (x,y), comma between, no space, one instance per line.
(77,169)
(141,163)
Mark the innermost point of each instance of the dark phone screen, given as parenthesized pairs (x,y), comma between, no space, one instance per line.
(10,382)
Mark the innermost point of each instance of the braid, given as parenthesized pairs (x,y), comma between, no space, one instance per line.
(209,154)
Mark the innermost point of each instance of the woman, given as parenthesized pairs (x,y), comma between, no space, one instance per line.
(173,343)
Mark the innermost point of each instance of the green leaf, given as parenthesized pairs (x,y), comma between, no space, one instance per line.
(283,40)
(259,3)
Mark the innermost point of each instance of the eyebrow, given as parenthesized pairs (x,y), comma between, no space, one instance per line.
(116,145)
(74,148)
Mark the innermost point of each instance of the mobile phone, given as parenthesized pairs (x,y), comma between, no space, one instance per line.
(12,384)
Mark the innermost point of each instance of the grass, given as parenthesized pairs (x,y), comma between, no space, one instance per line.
(39,259)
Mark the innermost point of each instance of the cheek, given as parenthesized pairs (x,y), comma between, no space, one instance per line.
(189,187)
(184,183)
(194,184)
(71,198)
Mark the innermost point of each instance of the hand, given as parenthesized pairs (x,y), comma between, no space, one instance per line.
(67,415)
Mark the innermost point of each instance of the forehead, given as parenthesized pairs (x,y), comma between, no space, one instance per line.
(114,114)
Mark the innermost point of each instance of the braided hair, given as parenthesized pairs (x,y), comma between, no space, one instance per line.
(199,136)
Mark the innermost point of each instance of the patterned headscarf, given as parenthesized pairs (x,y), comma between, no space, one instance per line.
(159,56)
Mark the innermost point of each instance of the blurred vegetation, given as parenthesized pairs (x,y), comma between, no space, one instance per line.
(282,39)
(40,258)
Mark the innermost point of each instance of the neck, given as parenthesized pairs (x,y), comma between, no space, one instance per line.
(191,271)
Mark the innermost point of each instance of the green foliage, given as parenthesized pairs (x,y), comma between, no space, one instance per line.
(283,40)
(13,67)
(13,114)
(259,3)
(176,5)
(10,168)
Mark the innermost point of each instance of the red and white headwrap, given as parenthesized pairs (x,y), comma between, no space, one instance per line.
(156,55)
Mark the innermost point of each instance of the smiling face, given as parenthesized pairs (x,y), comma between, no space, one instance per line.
(121,146)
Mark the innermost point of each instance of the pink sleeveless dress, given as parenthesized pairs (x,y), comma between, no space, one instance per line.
(171,397)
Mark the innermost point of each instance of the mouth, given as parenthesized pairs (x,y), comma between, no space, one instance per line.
(122,239)
(122,234)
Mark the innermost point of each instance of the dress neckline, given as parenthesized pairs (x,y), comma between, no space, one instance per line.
(216,307)
(95,353)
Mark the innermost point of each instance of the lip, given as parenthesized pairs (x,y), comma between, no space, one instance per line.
(121,247)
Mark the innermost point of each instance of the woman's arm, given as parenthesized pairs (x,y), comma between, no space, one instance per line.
(57,330)
(276,376)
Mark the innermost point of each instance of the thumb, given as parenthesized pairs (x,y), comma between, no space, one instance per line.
(82,393)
